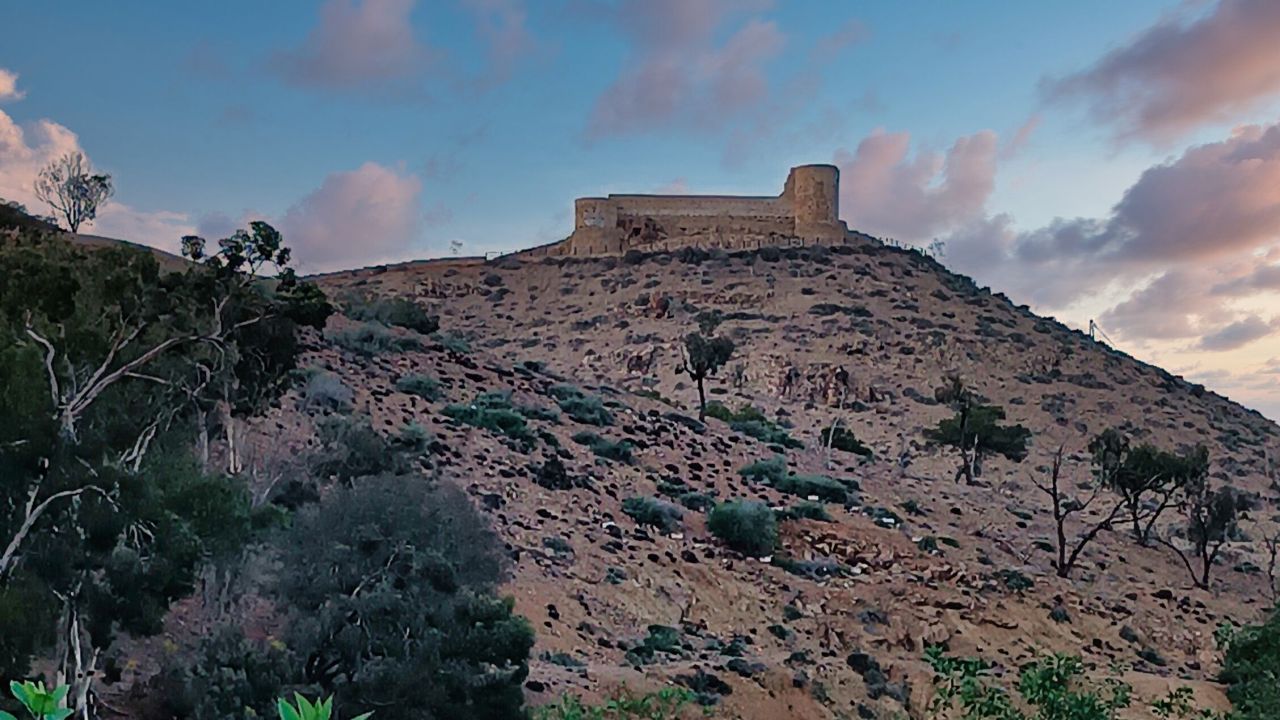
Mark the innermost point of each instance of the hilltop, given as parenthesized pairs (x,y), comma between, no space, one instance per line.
(860,333)
(550,390)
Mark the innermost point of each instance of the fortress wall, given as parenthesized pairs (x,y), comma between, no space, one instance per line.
(806,212)
(663,206)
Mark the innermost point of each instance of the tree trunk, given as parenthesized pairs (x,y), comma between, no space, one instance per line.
(202,439)
(702,402)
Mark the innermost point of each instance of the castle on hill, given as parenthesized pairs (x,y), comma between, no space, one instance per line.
(806,213)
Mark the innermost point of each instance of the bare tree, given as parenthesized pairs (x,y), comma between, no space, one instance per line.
(1272,543)
(72,189)
(1067,505)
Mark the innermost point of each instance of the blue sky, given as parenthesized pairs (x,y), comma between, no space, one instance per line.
(377,130)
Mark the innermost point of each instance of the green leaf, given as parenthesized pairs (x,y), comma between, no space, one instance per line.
(286,710)
(60,693)
(59,714)
(365,716)
(6,716)
(305,708)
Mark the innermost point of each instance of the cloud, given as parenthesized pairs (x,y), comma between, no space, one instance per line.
(9,86)
(1263,278)
(1182,72)
(1183,254)
(501,25)
(25,151)
(1237,334)
(1213,208)
(366,216)
(829,47)
(884,190)
(1021,137)
(359,45)
(677,75)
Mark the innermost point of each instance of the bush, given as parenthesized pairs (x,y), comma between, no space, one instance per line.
(583,408)
(424,386)
(751,421)
(844,440)
(1055,686)
(326,391)
(391,582)
(607,449)
(767,471)
(493,411)
(352,449)
(401,312)
(670,703)
(1251,669)
(229,679)
(372,338)
(653,512)
(807,510)
(819,486)
(453,342)
(746,526)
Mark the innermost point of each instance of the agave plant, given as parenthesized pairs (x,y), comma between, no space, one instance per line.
(304,709)
(42,703)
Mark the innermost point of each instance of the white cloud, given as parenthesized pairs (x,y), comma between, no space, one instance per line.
(9,86)
(24,151)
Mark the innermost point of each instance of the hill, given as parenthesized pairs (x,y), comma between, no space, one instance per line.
(837,624)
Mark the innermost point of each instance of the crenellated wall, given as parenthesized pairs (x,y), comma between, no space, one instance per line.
(807,212)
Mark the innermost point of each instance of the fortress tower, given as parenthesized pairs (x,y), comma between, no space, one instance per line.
(806,213)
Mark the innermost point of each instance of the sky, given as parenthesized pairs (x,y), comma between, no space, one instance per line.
(1116,162)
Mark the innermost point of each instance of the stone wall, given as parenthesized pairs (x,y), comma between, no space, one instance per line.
(806,213)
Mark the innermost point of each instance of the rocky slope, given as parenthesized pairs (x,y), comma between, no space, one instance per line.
(863,334)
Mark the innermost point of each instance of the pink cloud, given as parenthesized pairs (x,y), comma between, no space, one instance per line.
(1182,73)
(367,216)
(678,75)
(9,86)
(886,191)
(358,45)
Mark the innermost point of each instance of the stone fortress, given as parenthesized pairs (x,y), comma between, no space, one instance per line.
(806,213)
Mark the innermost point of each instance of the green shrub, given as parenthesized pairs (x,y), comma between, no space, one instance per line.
(401,312)
(767,471)
(819,486)
(602,447)
(229,679)
(751,421)
(661,639)
(807,510)
(583,408)
(392,581)
(653,512)
(746,526)
(351,448)
(453,342)
(844,440)
(672,703)
(494,412)
(372,338)
(1251,669)
(1054,686)
(424,386)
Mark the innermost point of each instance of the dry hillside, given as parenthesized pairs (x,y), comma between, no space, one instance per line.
(836,626)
